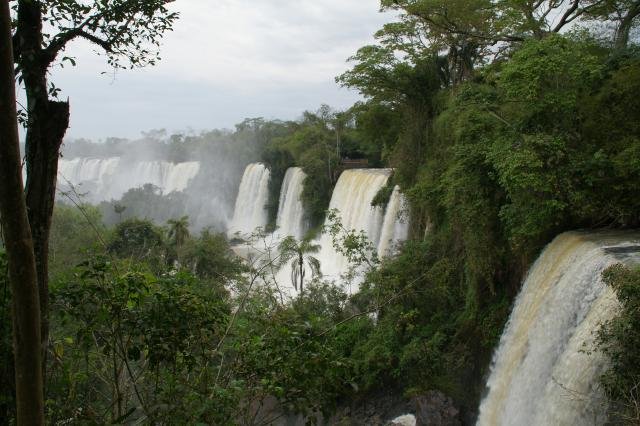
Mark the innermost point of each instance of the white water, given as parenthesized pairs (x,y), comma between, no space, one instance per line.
(541,374)
(250,210)
(395,227)
(352,197)
(291,215)
(404,420)
(109,178)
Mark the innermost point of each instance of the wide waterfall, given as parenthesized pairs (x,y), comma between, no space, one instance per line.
(250,211)
(395,227)
(352,197)
(109,178)
(291,216)
(542,373)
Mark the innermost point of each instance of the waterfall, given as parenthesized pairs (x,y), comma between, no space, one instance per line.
(541,373)
(109,178)
(352,196)
(290,219)
(395,226)
(250,211)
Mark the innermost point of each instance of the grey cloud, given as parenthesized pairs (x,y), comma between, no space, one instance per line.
(226,60)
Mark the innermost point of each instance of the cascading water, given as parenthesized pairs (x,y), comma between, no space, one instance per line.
(291,221)
(541,372)
(250,211)
(109,178)
(352,197)
(395,227)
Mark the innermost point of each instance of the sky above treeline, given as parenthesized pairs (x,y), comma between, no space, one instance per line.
(226,60)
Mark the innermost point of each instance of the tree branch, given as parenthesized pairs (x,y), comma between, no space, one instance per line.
(61,40)
(566,18)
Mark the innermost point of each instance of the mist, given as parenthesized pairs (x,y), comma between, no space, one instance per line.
(160,175)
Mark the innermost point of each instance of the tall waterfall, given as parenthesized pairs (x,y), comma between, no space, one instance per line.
(250,211)
(291,220)
(541,373)
(110,178)
(352,196)
(395,227)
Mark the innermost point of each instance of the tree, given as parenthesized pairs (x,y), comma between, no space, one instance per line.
(210,258)
(127,31)
(119,209)
(139,240)
(623,13)
(299,253)
(470,32)
(179,231)
(626,14)
(19,245)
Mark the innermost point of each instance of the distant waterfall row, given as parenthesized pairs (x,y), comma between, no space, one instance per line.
(541,372)
(109,178)
(352,196)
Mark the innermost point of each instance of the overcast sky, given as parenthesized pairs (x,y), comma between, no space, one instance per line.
(225,60)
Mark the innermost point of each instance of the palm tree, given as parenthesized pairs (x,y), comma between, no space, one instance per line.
(119,209)
(298,253)
(179,231)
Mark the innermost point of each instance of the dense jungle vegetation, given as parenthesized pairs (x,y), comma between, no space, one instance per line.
(502,130)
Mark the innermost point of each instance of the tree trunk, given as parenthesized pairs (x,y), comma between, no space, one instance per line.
(624,28)
(301,266)
(19,245)
(48,122)
(44,138)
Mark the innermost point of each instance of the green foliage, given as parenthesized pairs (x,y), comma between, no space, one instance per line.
(619,339)
(426,336)
(129,33)
(139,240)
(132,346)
(376,131)
(140,339)
(283,354)
(279,160)
(310,145)
(146,202)
(178,231)
(74,232)
(383,196)
(494,168)
(550,77)
(210,259)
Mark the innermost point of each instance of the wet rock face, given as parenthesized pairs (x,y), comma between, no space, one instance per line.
(384,409)
(435,409)
(375,410)
(430,409)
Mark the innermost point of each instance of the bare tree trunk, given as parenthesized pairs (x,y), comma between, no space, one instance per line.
(44,138)
(19,245)
(48,122)
(626,23)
